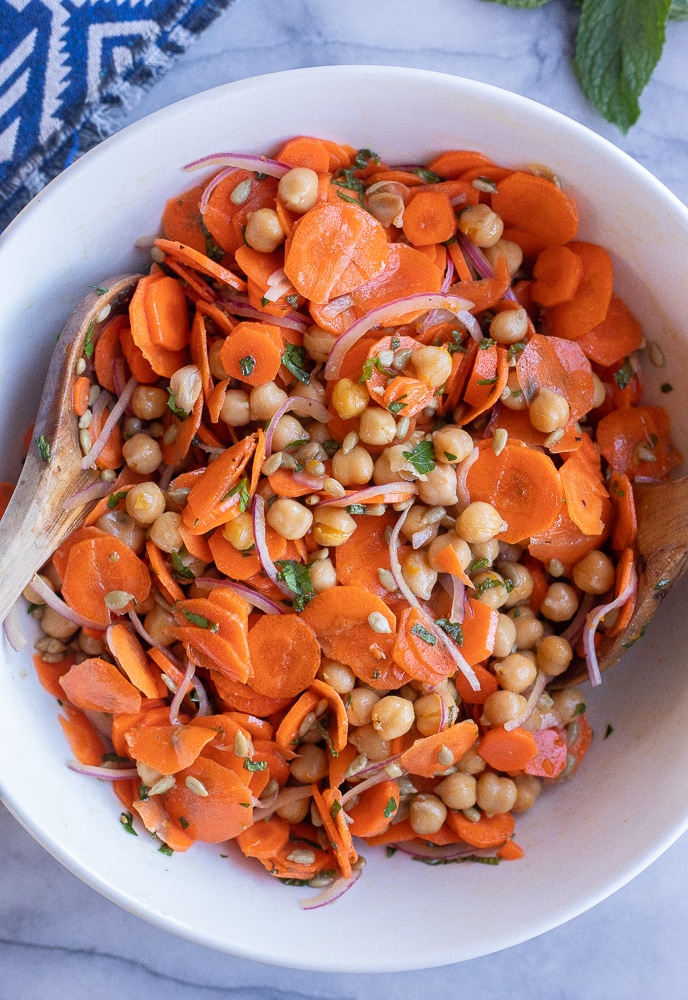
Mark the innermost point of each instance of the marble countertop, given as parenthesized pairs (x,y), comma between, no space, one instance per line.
(59,938)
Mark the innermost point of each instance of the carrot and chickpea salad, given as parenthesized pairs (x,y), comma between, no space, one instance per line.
(367,437)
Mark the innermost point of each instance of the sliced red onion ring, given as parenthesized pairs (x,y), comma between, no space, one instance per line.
(458,596)
(90,494)
(419,538)
(138,625)
(448,275)
(260,540)
(239,306)
(62,608)
(464,497)
(302,405)
(332,892)
(375,766)
(105,773)
(363,786)
(371,494)
(183,689)
(211,185)
(13,632)
(89,460)
(479,261)
(278,285)
(541,681)
(386,314)
(432,852)
(252,596)
(246,161)
(594,620)
(286,797)
(572,632)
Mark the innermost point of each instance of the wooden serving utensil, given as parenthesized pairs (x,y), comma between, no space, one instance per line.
(46,506)
(662,558)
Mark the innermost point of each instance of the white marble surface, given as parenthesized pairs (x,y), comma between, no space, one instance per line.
(58,938)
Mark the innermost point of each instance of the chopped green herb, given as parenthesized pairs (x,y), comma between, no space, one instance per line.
(453,629)
(115,498)
(143,793)
(632,641)
(180,570)
(486,343)
(335,808)
(487,584)
(127,821)
(255,765)
(298,578)
(390,809)
(201,621)
(624,374)
(346,178)
(331,446)
(88,341)
(661,584)
(294,359)
(31,608)
(579,710)
(293,301)
(369,366)
(490,860)
(166,850)
(240,488)
(247,364)
(428,176)
(449,457)
(422,457)
(397,405)
(99,290)
(212,249)
(487,381)
(356,508)
(515,349)
(391,851)
(478,564)
(183,822)
(177,410)
(43,449)
(424,634)
(666,387)
(456,343)
(608,731)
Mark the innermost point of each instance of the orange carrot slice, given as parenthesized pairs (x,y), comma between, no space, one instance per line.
(98,686)
(102,566)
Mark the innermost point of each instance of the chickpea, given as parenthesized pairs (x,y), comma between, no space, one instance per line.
(560,602)
(263,230)
(287,430)
(119,524)
(485,552)
(567,704)
(236,410)
(145,502)
(289,518)
(505,637)
(318,343)
(295,811)
(509,250)
(594,573)
(337,675)
(142,454)
(310,765)
(164,532)
(54,625)
(553,654)
(528,788)
(521,582)
(439,488)
(239,531)
(548,411)
(418,519)
(323,575)
(502,706)
(458,790)
(429,713)
(387,206)
(393,716)
(452,444)
(433,365)
(471,762)
(528,627)
(509,326)
(91,646)
(368,741)
(349,398)
(360,704)
(391,466)
(481,225)
(419,574)
(298,189)
(599,391)
(332,526)
(427,813)
(217,369)
(479,522)
(495,794)
(490,589)
(265,400)
(513,397)
(158,623)
(377,426)
(353,469)
(149,402)
(439,543)
(515,672)
(186,386)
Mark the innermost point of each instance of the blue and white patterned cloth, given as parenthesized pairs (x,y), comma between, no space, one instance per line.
(70,69)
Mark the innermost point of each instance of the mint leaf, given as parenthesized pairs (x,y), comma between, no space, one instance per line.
(424,634)
(678,10)
(298,579)
(294,359)
(422,457)
(618,45)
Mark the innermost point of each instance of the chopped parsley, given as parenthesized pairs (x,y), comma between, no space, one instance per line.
(428,176)
(166,850)
(370,365)
(43,449)
(180,570)
(356,508)
(298,578)
(247,364)
(240,488)
(397,404)
(201,621)
(666,387)
(624,374)
(127,821)
(115,498)
(88,342)
(346,179)
(390,809)
(422,457)
(608,731)
(515,349)
(177,410)
(424,634)
(294,359)
(99,290)
(453,629)
(255,765)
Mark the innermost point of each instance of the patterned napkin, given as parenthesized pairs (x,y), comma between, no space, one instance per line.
(71,69)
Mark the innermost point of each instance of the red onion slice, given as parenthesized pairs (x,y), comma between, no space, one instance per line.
(239,306)
(211,185)
(90,494)
(464,497)
(183,689)
(252,596)
(594,620)
(246,161)
(260,540)
(448,275)
(440,852)
(374,494)
(572,632)
(302,405)
(541,681)
(286,797)
(104,773)
(363,786)
(13,632)
(479,261)
(62,608)
(332,892)
(386,314)
(138,625)
(89,460)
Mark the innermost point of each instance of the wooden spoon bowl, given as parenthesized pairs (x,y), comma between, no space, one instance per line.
(45,506)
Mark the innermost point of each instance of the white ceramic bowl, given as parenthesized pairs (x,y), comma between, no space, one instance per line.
(583,841)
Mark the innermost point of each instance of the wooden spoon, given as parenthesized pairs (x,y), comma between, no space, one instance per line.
(45,505)
(662,558)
